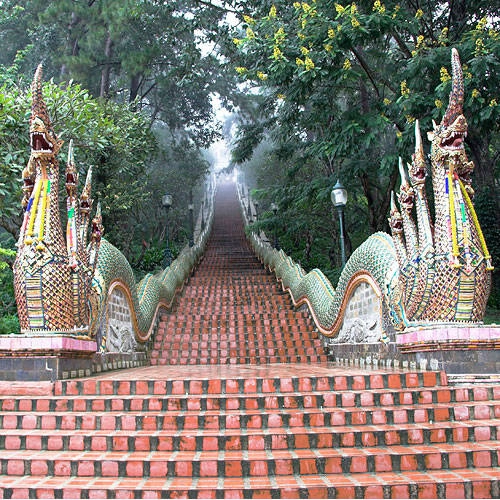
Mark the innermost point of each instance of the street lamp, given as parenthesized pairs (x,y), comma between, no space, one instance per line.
(256,204)
(166,201)
(274,208)
(191,224)
(339,200)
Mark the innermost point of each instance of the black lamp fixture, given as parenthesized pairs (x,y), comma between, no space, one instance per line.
(274,208)
(167,201)
(339,200)
(191,224)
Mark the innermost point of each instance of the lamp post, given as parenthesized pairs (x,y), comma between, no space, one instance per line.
(256,204)
(339,200)
(166,201)
(191,224)
(274,208)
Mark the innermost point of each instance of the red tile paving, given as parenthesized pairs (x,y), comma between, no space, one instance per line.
(245,427)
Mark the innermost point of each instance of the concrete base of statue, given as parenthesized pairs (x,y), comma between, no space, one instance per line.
(53,356)
(461,351)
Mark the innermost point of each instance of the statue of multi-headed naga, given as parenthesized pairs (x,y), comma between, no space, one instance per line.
(444,267)
(428,272)
(52,271)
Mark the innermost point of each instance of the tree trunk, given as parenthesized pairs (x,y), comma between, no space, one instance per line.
(135,85)
(106,71)
(12,224)
(74,47)
(484,166)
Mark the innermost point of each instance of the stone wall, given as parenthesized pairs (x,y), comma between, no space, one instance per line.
(363,317)
(120,336)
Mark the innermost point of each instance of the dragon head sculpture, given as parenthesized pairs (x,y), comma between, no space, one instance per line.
(52,271)
(448,138)
(43,140)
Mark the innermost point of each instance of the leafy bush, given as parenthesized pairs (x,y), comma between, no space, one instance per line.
(9,324)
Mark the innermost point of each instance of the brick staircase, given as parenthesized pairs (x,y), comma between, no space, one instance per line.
(275,431)
(263,422)
(232,310)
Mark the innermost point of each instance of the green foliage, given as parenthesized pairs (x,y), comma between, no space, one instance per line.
(487,212)
(9,324)
(340,86)
(7,301)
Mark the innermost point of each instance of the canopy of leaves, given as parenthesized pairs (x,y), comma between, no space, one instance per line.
(340,86)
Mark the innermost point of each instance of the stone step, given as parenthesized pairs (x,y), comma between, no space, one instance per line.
(348,400)
(243,464)
(144,435)
(214,359)
(459,483)
(266,379)
(187,436)
(285,417)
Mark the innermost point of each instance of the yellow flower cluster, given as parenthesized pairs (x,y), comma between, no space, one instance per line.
(410,119)
(445,76)
(355,23)
(328,47)
(281,96)
(347,65)
(248,19)
(419,13)
(297,5)
(250,33)
(479,47)
(237,41)
(397,8)
(301,36)
(387,101)
(272,12)
(438,103)
(420,41)
(309,64)
(241,70)
(481,24)
(279,36)
(354,9)
(405,91)
(378,7)
(493,103)
(340,10)
(277,54)
(304,51)
(443,36)
(261,75)
(331,33)
(475,93)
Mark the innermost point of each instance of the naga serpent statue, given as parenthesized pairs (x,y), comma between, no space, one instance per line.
(427,273)
(62,282)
